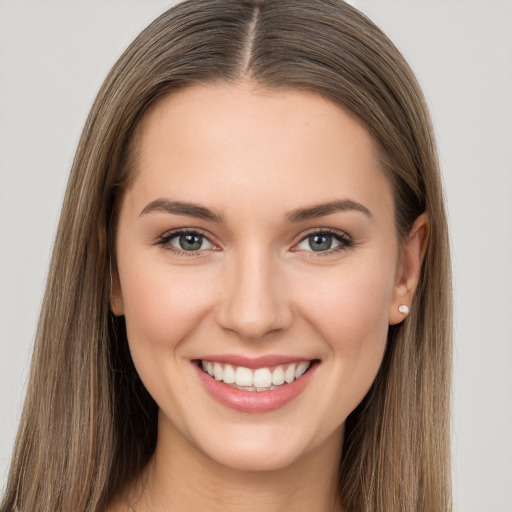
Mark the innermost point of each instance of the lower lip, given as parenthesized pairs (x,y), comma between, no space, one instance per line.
(254,401)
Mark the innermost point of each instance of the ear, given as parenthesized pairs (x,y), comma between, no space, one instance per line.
(116,296)
(409,268)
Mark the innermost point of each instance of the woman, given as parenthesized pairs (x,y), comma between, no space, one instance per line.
(248,304)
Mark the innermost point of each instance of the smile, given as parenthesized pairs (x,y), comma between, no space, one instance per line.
(259,379)
(254,386)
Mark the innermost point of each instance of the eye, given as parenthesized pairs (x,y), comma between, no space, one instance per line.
(324,241)
(186,241)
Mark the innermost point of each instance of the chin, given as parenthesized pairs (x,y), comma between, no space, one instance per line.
(254,458)
(268,448)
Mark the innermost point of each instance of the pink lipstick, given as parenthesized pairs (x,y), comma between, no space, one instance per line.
(254,385)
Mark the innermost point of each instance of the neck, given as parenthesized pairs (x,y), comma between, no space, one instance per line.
(181,478)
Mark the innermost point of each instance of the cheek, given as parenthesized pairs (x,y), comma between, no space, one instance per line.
(162,307)
(350,306)
(161,304)
(350,311)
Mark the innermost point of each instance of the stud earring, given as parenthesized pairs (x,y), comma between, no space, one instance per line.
(403,309)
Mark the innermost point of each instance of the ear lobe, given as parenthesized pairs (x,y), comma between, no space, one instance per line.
(409,269)
(116,305)
(116,297)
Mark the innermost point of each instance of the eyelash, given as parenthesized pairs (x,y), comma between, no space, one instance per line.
(344,240)
(165,239)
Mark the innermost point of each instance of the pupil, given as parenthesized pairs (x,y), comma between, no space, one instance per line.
(190,242)
(320,242)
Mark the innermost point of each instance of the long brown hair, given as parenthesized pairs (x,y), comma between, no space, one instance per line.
(88,425)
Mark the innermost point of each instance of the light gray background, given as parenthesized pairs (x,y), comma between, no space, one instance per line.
(54,55)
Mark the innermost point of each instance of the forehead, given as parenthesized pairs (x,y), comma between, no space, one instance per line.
(217,141)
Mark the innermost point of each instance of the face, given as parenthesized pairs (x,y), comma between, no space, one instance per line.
(256,242)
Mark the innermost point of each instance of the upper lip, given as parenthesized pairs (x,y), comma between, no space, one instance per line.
(267,361)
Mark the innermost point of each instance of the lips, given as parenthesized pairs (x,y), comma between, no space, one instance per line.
(253,387)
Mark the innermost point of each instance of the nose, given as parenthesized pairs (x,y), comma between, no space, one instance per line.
(254,297)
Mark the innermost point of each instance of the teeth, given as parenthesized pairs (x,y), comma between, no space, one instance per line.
(289,374)
(243,376)
(229,374)
(301,369)
(261,379)
(278,376)
(217,371)
(252,388)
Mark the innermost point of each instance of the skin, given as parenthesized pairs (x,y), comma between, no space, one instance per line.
(252,156)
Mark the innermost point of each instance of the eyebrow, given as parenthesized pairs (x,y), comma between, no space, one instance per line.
(298,215)
(181,208)
(322,209)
